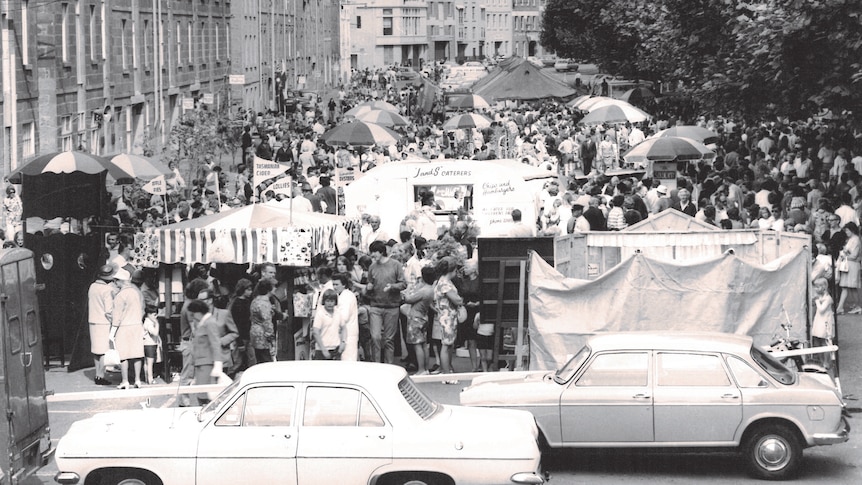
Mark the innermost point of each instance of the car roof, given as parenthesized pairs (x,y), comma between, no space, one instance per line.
(696,341)
(366,374)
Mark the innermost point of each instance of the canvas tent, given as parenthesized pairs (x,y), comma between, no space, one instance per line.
(519,80)
(250,234)
(495,188)
(724,294)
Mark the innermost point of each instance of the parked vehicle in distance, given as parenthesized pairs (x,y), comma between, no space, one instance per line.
(403,73)
(535,61)
(565,65)
(306,422)
(676,390)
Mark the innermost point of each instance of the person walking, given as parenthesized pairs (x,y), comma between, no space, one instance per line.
(206,348)
(385,283)
(127,328)
(100,306)
(348,307)
(262,332)
(446,303)
(328,329)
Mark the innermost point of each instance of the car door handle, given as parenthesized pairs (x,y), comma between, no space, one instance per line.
(730,396)
(287,436)
(641,396)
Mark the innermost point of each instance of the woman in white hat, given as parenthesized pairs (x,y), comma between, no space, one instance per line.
(127,328)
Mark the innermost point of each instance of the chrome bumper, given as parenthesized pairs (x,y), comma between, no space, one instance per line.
(839,436)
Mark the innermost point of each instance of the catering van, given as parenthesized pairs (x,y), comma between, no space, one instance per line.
(24,434)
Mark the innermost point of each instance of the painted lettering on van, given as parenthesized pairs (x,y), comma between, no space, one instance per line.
(441,172)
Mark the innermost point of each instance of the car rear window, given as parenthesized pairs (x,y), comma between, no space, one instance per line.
(770,364)
(424,406)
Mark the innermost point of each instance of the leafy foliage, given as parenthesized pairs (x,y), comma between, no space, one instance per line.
(755,57)
(200,136)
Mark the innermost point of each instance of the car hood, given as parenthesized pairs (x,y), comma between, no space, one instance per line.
(107,434)
(510,388)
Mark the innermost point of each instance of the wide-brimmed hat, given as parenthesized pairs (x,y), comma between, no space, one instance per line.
(106,272)
(123,275)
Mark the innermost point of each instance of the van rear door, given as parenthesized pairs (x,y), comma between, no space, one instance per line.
(22,366)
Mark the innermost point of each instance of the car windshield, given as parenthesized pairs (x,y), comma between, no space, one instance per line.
(424,406)
(216,403)
(567,371)
(770,364)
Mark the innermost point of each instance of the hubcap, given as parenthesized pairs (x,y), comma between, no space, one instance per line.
(772,453)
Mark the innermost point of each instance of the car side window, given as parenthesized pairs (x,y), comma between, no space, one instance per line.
(743,373)
(623,369)
(682,369)
(336,406)
(262,406)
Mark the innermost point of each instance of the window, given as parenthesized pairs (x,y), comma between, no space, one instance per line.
(358,22)
(690,370)
(148,37)
(66,133)
(103,27)
(134,36)
(124,47)
(262,406)
(93,39)
(28,142)
(179,44)
(334,406)
(64,33)
(387,21)
(743,373)
(190,48)
(617,369)
(25,32)
(217,39)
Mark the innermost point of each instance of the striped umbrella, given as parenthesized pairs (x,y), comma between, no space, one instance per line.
(141,168)
(382,117)
(69,162)
(369,105)
(690,131)
(583,103)
(668,149)
(360,133)
(470,101)
(467,120)
(614,114)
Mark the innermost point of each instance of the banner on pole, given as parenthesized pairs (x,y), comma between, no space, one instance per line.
(283,185)
(156,186)
(265,170)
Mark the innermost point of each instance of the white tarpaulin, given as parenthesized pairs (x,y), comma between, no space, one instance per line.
(723,294)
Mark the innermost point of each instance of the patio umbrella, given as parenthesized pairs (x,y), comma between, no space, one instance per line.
(470,101)
(382,117)
(690,131)
(360,133)
(614,114)
(70,162)
(467,120)
(601,103)
(142,168)
(667,149)
(638,95)
(583,103)
(369,105)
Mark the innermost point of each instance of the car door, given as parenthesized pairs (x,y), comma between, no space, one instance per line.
(253,441)
(343,437)
(610,401)
(695,399)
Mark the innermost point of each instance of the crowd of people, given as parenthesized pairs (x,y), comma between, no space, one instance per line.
(415,295)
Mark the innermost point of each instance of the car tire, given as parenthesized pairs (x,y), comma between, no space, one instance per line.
(773,452)
(128,477)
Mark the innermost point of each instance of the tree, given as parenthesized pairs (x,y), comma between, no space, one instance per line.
(200,137)
(766,57)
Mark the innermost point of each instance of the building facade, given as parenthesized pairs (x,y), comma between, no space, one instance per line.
(498,28)
(527,27)
(385,32)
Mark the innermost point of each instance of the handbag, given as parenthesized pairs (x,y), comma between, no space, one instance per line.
(843,265)
(112,355)
(462,314)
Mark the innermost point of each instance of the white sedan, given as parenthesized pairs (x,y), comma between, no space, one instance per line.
(676,390)
(306,422)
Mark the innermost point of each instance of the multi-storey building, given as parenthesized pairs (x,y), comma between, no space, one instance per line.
(526,27)
(385,32)
(471,30)
(498,27)
(112,76)
(441,30)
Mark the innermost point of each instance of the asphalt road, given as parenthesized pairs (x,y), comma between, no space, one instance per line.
(838,464)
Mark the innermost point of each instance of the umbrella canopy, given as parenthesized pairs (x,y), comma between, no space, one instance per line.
(689,131)
(584,103)
(467,120)
(667,149)
(638,95)
(382,117)
(141,168)
(369,105)
(615,114)
(360,133)
(470,101)
(601,103)
(70,162)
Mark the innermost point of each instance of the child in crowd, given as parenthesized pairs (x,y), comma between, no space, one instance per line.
(823,321)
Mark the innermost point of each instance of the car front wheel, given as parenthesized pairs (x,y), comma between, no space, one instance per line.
(773,452)
(126,476)
(415,478)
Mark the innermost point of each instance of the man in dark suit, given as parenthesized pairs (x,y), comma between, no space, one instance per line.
(588,153)
(684,205)
(214,332)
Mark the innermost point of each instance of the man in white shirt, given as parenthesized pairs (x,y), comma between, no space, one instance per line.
(636,136)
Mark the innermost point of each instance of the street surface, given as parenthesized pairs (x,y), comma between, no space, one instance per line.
(838,464)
